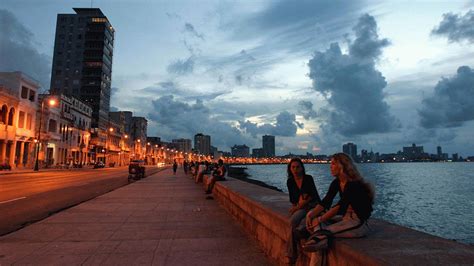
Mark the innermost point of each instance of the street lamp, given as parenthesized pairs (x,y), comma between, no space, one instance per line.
(107,144)
(51,102)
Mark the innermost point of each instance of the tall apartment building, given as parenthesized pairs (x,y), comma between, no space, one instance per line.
(82,63)
(351,150)
(202,143)
(268,146)
(183,145)
(138,131)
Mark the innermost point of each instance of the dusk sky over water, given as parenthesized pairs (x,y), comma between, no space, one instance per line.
(316,74)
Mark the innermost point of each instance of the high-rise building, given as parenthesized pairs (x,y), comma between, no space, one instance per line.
(414,152)
(351,150)
(202,143)
(268,146)
(82,61)
(439,152)
(183,145)
(257,153)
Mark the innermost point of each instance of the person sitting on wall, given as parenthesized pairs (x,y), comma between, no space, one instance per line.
(217,175)
(303,196)
(355,206)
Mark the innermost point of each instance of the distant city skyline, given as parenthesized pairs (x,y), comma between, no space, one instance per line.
(315,74)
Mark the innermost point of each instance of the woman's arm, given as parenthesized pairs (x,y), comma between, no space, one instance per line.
(323,218)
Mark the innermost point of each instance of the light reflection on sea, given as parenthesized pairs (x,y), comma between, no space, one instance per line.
(436,198)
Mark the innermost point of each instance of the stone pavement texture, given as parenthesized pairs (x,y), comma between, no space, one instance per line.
(161,220)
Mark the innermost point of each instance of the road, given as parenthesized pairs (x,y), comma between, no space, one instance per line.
(29,197)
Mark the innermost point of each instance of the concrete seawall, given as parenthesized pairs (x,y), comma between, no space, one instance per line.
(263,213)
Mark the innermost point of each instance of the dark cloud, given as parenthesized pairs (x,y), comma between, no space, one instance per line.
(451,104)
(18,50)
(352,84)
(182,67)
(456,27)
(186,119)
(188,27)
(286,125)
(175,89)
(306,109)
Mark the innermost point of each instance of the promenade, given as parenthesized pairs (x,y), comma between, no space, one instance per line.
(161,220)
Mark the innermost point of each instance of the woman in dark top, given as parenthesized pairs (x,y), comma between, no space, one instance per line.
(356,202)
(303,197)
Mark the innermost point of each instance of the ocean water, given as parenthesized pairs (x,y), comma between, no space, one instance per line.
(436,198)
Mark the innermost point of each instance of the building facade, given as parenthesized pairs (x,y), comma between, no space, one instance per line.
(138,132)
(202,144)
(183,145)
(351,150)
(240,151)
(268,146)
(18,105)
(82,65)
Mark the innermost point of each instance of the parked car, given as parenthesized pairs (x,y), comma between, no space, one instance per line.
(99,165)
(136,169)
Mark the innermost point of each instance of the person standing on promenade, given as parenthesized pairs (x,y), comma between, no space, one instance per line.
(303,196)
(175,167)
(185,167)
(355,206)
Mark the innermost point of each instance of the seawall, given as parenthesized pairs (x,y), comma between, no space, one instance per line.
(263,214)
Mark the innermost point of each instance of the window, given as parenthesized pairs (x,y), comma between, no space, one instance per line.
(3,114)
(32,95)
(29,118)
(24,92)
(21,120)
(52,126)
(10,116)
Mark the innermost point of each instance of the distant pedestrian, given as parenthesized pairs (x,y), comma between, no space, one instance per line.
(185,167)
(175,167)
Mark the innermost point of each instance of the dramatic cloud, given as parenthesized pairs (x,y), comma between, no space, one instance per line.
(352,84)
(182,67)
(456,28)
(286,125)
(182,119)
(306,109)
(188,27)
(452,103)
(18,50)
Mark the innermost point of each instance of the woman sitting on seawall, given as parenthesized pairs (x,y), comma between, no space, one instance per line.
(303,196)
(355,206)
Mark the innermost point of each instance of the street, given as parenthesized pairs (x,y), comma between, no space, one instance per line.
(29,197)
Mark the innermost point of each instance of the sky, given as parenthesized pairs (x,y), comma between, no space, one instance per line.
(316,74)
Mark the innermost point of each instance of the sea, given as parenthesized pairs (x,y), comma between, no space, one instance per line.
(436,198)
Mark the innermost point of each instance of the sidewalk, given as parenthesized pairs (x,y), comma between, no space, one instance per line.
(160,220)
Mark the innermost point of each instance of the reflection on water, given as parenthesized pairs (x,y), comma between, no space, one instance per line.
(436,198)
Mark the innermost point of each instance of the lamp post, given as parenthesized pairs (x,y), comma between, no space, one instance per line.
(107,144)
(51,102)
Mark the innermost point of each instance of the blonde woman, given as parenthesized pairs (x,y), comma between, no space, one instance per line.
(357,197)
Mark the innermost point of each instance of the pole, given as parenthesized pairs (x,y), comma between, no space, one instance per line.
(39,138)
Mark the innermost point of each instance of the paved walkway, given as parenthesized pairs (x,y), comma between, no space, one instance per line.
(160,220)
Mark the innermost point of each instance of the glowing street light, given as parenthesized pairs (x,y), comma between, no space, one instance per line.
(51,102)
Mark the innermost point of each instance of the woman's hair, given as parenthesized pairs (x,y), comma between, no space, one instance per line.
(350,169)
(290,174)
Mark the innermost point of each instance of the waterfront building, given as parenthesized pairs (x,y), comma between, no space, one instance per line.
(18,105)
(184,145)
(138,134)
(202,144)
(414,152)
(351,150)
(240,151)
(268,146)
(439,152)
(118,120)
(82,65)
(257,153)
(65,131)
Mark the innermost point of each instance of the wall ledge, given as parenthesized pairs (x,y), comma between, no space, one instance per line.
(263,214)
